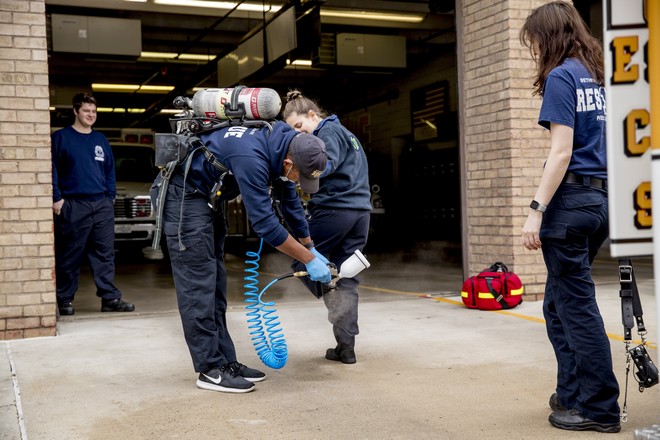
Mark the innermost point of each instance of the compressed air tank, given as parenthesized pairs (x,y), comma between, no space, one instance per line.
(259,103)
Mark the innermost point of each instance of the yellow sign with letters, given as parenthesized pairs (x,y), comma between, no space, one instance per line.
(628,128)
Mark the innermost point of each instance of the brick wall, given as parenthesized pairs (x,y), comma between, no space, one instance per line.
(27,290)
(504,147)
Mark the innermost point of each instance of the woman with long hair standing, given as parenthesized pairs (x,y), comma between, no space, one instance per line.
(568,218)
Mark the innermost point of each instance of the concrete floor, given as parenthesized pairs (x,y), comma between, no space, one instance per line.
(428,368)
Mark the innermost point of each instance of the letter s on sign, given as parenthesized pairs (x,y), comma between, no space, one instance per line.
(642,202)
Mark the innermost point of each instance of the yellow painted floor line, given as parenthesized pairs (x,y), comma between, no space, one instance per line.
(460,303)
(502,312)
(398,292)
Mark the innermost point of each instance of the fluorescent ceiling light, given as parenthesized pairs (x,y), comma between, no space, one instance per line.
(165,111)
(299,62)
(195,57)
(369,15)
(119,110)
(172,55)
(130,88)
(252,7)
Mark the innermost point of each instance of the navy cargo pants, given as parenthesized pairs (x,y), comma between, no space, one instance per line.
(85,229)
(199,272)
(574,227)
(337,233)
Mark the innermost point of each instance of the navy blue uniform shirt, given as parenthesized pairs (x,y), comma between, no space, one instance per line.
(348,186)
(83,165)
(572,97)
(255,157)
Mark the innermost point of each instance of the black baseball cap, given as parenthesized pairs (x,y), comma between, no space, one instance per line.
(309,156)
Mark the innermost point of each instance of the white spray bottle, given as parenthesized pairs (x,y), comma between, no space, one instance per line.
(352,266)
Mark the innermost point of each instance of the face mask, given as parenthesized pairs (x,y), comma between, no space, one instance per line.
(285,178)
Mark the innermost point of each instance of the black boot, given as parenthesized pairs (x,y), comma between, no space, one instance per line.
(65,309)
(341,353)
(116,305)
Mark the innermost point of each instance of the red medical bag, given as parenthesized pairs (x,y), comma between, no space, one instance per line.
(494,288)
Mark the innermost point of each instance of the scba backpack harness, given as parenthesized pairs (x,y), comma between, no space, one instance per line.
(179,147)
(495,288)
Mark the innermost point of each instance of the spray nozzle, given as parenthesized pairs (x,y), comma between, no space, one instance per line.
(352,266)
(331,267)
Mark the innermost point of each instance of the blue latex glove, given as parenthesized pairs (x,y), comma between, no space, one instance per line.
(318,271)
(318,255)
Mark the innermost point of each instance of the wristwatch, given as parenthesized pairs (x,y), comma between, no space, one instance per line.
(536,206)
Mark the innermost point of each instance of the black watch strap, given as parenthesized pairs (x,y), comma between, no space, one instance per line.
(309,245)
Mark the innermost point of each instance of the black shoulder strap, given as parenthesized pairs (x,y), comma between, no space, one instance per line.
(631,305)
(499,297)
(163,183)
(210,158)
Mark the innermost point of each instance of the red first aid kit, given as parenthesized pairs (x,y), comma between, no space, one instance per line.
(494,288)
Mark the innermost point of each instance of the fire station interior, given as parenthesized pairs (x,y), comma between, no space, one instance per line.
(136,57)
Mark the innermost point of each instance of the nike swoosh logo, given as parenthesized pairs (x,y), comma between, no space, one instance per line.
(212,379)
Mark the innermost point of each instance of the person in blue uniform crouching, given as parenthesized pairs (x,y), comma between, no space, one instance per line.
(259,162)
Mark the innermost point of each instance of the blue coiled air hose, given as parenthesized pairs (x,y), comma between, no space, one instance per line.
(270,347)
